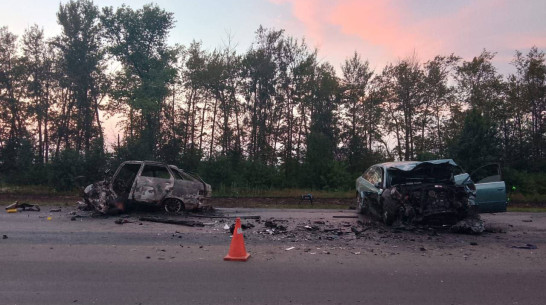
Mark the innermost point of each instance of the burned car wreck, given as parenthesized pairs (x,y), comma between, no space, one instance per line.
(433,192)
(146,183)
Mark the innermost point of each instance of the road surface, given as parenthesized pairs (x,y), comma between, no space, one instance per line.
(95,261)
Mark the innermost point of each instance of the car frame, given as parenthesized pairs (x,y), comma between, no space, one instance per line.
(376,192)
(150,183)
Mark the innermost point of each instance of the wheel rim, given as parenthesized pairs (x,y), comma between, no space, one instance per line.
(173,206)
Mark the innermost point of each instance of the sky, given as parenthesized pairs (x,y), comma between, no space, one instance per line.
(380,31)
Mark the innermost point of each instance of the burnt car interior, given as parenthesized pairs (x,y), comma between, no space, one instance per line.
(125,178)
(155,171)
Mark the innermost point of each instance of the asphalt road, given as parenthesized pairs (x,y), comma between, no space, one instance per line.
(94,261)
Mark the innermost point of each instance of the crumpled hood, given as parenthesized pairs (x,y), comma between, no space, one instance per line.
(436,171)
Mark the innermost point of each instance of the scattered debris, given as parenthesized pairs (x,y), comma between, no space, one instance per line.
(4,236)
(494,228)
(244,226)
(290,248)
(526,246)
(308,197)
(473,243)
(189,223)
(469,226)
(271,224)
(527,220)
(121,221)
(55,210)
(345,216)
(22,207)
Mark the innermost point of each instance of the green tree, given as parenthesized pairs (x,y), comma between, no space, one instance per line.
(359,114)
(81,59)
(477,143)
(138,40)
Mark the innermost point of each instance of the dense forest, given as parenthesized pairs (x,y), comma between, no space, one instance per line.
(273,117)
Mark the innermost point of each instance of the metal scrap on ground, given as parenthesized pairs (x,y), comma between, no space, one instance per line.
(189,223)
(23,207)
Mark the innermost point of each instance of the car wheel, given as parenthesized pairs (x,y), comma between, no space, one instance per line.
(173,205)
(389,213)
(359,208)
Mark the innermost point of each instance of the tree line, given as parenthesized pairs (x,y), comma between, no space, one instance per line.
(273,116)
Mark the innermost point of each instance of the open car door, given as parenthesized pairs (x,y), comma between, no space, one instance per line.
(490,189)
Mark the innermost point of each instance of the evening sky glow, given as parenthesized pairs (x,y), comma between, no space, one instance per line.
(380,31)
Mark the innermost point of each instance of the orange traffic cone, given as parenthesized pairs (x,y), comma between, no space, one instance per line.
(237,251)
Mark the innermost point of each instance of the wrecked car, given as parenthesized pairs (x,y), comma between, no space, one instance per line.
(147,183)
(436,191)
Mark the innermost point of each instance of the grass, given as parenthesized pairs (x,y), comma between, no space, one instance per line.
(526,209)
(279,193)
(519,198)
(39,190)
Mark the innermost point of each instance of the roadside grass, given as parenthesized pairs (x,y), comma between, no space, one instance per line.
(38,190)
(526,209)
(534,199)
(323,206)
(280,193)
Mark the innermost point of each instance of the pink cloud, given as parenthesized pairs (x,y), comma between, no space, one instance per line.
(385,31)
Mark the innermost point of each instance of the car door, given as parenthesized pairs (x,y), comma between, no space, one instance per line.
(185,185)
(371,184)
(490,189)
(153,183)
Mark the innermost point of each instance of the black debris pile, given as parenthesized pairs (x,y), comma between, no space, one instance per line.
(189,223)
(244,226)
(272,224)
(472,225)
(23,206)
(526,247)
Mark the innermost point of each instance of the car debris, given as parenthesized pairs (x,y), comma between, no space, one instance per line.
(146,183)
(273,225)
(189,223)
(55,210)
(244,226)
(469,226)
(23,207)
(526,246)
(306,197)
(121,221)
(345,216)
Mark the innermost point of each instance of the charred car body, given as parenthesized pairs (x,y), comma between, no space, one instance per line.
(436,191)
(147,183)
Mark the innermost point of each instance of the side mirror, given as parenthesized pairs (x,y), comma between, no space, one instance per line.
(377,185)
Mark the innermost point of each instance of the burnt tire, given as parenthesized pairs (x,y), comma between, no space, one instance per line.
(173,205)
(360,205)
(389,213)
